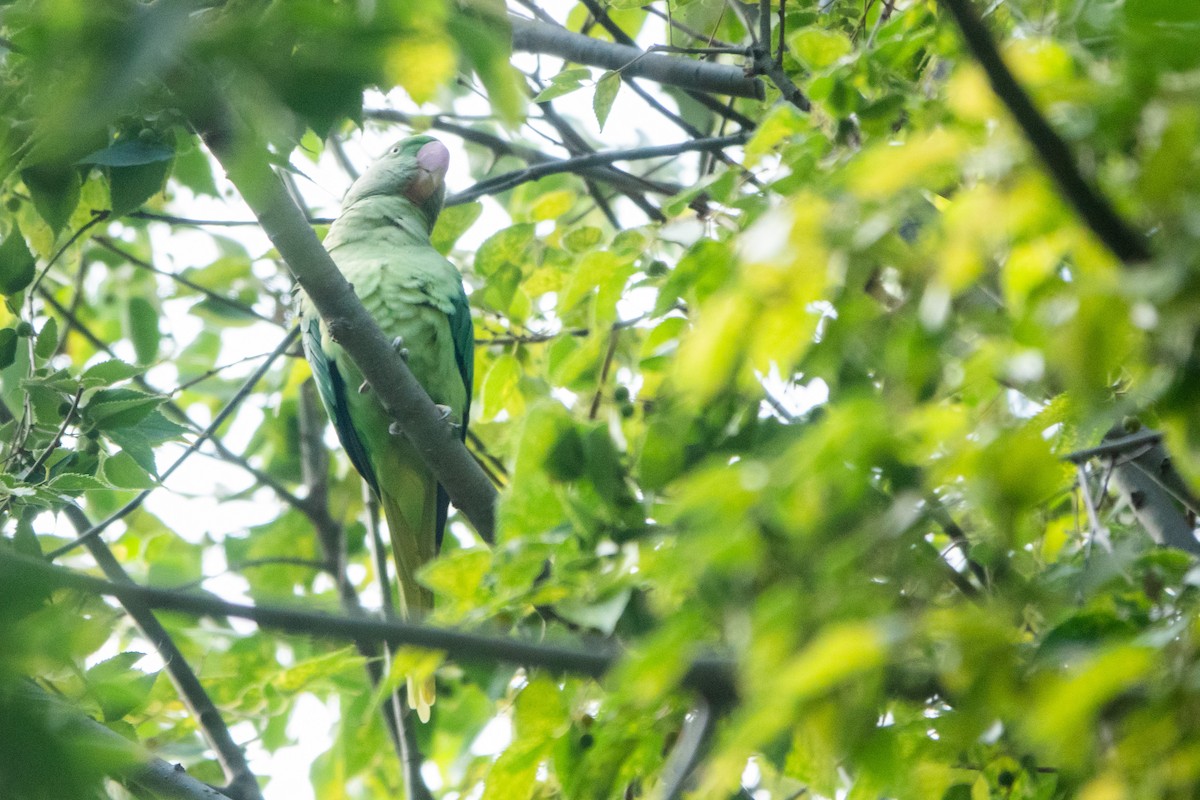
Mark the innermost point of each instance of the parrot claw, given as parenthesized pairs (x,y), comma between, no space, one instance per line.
(395,430)
(443,412)
(364,388)
(398,346)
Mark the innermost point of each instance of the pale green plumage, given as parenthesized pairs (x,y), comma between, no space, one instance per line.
(381,244)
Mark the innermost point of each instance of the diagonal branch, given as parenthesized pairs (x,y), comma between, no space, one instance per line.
(349,323)
(1098,214)
(161,779)
(538,37)
(242,783)
(216,297)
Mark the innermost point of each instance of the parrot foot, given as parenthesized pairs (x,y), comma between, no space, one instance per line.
(364,388)
(398,346)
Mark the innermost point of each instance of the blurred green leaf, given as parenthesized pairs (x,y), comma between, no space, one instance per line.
(16,263)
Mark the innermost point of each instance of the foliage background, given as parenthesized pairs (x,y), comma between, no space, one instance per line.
(804,405)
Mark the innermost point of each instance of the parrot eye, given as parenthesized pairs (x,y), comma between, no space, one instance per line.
(395,150)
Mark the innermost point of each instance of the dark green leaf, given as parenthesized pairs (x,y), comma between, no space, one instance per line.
(131,186)
(17,264)
(129,153)
(55,192)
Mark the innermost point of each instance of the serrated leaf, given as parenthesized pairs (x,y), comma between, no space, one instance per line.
(107,373)
(17,264)
(606,92)
(119,408)
(73,483)
(124,472)
(133,442)
(565,82)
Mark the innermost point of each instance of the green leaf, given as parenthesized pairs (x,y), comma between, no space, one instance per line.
(817,48)
(606,92)
(142,319)
(47,340)
(108,372)
(117,687)
(55,192)
(8,347)
(193,170)
(124,472)
(119,408)
(131,186)
(17,264)
(483,34)
(73,483)
(452,223)
(563,83)
(129,153)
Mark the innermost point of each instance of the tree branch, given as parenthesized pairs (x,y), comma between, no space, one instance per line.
(242,783)
(538,37)
(217,422)
(111,246)
(710,675)
(1125,243)
(621,181)
(689,748)
(349,323)
(504,182)
(165,781)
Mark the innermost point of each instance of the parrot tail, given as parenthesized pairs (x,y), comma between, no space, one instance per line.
(411,513)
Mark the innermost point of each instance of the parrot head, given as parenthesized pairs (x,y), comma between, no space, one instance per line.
(414,168)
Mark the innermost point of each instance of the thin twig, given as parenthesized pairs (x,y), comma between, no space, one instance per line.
(508,180)
(1095,210)
(614,337)
(1114,446)
(682,28)
(68,418)
(97,218)
(219,420)
(110,245)
(172,219)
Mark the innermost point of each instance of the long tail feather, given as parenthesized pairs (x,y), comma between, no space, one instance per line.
(409,501)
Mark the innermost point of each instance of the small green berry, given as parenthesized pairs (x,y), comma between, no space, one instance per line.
(24,329)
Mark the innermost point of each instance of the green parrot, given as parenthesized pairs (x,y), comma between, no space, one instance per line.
(381,244)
